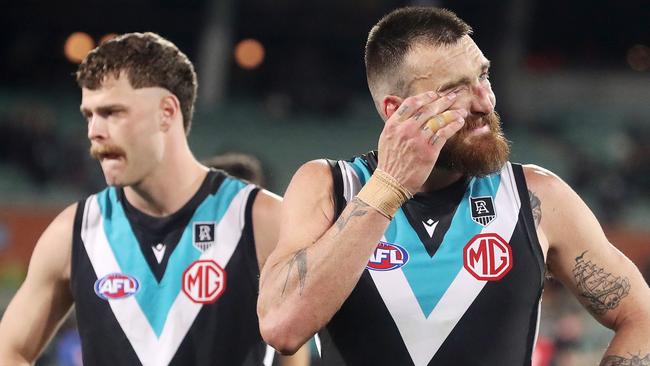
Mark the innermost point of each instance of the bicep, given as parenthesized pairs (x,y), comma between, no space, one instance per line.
(606,282)
(307,209)
(266,224)
(44,298)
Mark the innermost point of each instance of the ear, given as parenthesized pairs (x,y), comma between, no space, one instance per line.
(389,105)
(170,109)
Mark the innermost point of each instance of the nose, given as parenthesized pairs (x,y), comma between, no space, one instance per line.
(483,99)
(97,128)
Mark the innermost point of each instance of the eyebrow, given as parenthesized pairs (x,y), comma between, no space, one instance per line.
(463,80)
(104,109)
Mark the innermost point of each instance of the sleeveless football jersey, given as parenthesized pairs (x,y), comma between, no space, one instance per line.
(455,280)
(179,290)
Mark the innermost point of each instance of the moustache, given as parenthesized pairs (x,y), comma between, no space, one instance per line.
(475,121)
(101,152)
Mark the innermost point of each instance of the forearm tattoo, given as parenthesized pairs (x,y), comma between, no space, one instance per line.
(300,260)
(536,206)
(602,291)
(359,208)
(633,360)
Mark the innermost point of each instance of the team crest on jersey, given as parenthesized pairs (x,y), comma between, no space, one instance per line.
(116,286)
(203,235)
(387,257)
(482,209)
(204,281)
(487,257)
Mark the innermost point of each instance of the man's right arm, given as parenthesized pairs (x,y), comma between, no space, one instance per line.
(319,259)
(316,264)
(43,299)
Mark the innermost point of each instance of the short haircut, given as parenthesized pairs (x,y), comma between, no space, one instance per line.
(148,60)
(390,40)
(239,165)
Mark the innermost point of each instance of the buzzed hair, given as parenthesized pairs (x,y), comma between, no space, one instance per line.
(148,60)
(396,33)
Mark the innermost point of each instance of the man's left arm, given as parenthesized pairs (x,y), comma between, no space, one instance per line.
(606,282)
(266,226)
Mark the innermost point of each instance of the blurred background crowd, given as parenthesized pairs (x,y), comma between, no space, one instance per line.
(284,80)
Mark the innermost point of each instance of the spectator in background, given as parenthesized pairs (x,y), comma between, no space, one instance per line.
(240,165)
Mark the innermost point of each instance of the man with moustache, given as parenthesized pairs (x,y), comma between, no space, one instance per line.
(432,251)
(162,265)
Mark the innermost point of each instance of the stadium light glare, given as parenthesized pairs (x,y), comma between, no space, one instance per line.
(77,46)
(249,53)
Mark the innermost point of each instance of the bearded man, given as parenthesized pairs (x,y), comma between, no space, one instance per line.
(432,251)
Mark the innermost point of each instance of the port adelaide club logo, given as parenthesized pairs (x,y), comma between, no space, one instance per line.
(203,235)
(482,210)
(387,257)
(116,286)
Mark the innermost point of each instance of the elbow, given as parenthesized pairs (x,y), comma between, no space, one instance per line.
(281,335)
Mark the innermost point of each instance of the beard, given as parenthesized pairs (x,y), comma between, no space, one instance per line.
(478,155)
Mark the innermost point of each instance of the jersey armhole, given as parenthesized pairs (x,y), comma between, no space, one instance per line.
(77,243)
(527,214)
(337,180)
(248,233)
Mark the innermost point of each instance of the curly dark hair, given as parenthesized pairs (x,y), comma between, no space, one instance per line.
(148,60)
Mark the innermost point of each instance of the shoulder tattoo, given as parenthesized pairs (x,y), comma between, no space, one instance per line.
(536,207)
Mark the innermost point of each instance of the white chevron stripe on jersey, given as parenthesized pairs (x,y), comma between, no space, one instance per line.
(423,336)
(351,184)
(151,350)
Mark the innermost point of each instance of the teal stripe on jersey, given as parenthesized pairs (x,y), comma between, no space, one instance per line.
(430,277)
(155,299)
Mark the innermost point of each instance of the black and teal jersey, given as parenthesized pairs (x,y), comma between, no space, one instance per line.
(179,290)
(456,279)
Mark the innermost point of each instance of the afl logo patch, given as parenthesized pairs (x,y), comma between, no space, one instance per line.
(116,286)
(387,257)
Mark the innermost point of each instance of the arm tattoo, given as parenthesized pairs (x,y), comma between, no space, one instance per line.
(634,360)
(360,208)
(300,260)
(536,206)
(602,291)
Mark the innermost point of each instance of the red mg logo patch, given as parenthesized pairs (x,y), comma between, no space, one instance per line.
(204,281)
(487,257)
(387,257)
